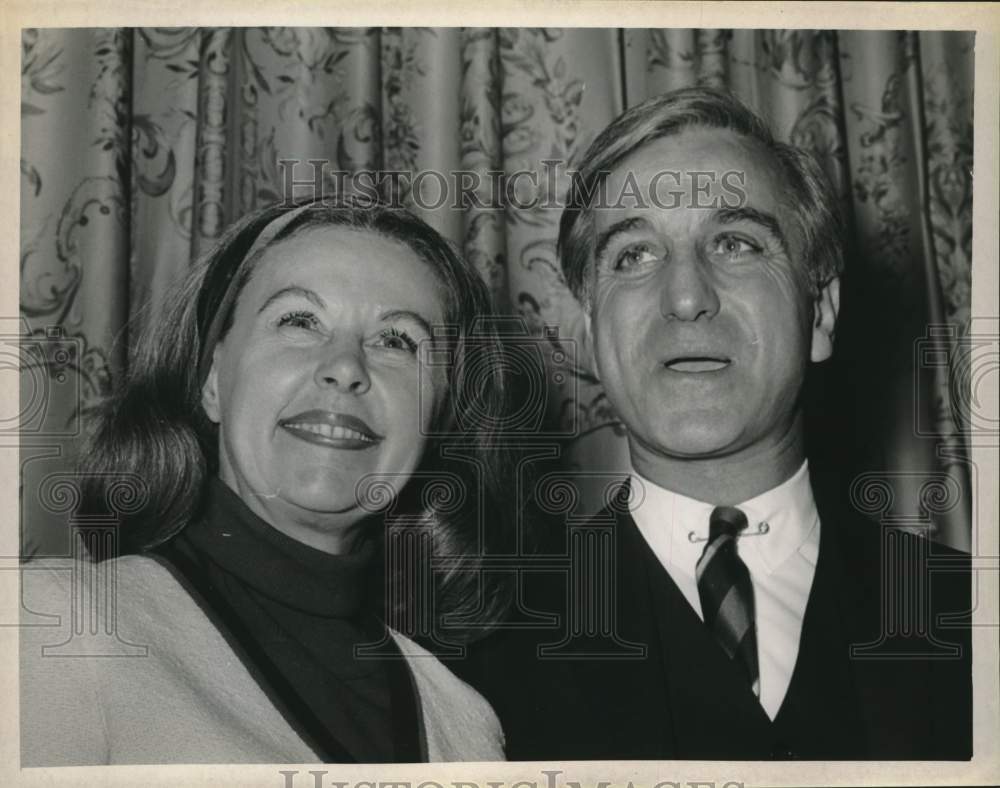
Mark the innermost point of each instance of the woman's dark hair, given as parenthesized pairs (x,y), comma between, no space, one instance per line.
(154,429)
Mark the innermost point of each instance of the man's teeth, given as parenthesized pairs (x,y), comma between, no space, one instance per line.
(697,365)
(329,431)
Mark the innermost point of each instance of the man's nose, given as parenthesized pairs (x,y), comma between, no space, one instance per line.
(343,367)
(687,289)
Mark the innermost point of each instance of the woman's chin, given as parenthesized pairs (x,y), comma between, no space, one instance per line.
(321,490)
(327,489)
(323,503)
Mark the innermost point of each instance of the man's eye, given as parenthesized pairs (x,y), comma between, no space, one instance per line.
(397,339)
(735,246)
(635,255)
(300,319)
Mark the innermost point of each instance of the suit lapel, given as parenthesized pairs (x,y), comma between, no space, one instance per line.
(627,696)
(892,694)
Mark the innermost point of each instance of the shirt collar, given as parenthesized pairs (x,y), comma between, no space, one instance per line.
(676,526)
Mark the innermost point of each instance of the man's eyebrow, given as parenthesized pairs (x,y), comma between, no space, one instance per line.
(624,226)
(766,220)
(407,314)
(294,290)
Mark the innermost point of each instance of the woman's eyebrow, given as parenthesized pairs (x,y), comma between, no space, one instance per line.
(294,290)
(407,314)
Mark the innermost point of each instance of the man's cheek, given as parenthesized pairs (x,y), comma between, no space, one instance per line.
(605,351)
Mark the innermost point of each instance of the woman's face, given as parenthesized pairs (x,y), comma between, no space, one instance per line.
(323,379)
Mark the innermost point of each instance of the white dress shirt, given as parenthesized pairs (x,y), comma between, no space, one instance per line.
(781,561)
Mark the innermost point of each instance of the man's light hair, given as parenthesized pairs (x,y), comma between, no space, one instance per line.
(814,204)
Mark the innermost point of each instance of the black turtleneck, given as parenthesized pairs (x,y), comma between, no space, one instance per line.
(295,614)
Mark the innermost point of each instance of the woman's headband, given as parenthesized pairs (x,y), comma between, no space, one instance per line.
(266,236)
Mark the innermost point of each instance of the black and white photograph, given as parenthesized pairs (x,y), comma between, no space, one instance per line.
(488,404)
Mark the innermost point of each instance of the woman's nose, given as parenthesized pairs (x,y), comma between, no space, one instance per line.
(343,367)
(687,291)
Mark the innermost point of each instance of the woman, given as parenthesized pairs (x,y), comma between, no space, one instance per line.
(281,417)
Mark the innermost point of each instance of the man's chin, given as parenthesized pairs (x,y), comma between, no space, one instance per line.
(693,441)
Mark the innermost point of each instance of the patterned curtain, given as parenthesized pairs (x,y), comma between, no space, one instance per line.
(140,145)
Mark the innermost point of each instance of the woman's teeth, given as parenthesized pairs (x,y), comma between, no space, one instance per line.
(329,431)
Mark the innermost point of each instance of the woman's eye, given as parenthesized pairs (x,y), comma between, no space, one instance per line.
(301,319)
(635,255)
(397,339)
(735,246)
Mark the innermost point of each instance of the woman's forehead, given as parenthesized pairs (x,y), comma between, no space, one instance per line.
(348,266)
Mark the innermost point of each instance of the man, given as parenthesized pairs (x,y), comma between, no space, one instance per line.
(753,605)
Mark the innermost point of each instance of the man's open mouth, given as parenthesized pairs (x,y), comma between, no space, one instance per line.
(697,363)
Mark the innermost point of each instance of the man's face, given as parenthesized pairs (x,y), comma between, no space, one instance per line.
(701,314)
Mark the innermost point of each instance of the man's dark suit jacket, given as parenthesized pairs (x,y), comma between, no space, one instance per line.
(906,696)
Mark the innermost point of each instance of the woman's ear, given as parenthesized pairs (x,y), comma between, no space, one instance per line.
(826,307)
(210,391)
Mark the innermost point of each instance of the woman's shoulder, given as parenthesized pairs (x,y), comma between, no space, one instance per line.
(75,606)
(459,723)
(130,583)
(49,574)
(80,707)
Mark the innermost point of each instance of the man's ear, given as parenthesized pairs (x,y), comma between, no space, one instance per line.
(826,307)
(210,390)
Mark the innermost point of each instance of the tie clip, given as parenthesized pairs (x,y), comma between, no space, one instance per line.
(762,528)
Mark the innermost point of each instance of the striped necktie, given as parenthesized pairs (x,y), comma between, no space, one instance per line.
(726,592)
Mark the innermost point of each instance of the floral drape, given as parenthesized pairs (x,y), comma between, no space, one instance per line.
(140,145)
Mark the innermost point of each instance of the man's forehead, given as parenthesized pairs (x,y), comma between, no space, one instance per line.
(693,155)
(702,169)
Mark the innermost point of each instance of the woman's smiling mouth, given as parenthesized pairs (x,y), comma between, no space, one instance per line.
(335,430)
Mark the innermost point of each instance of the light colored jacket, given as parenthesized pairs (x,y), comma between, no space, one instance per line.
(119,665)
